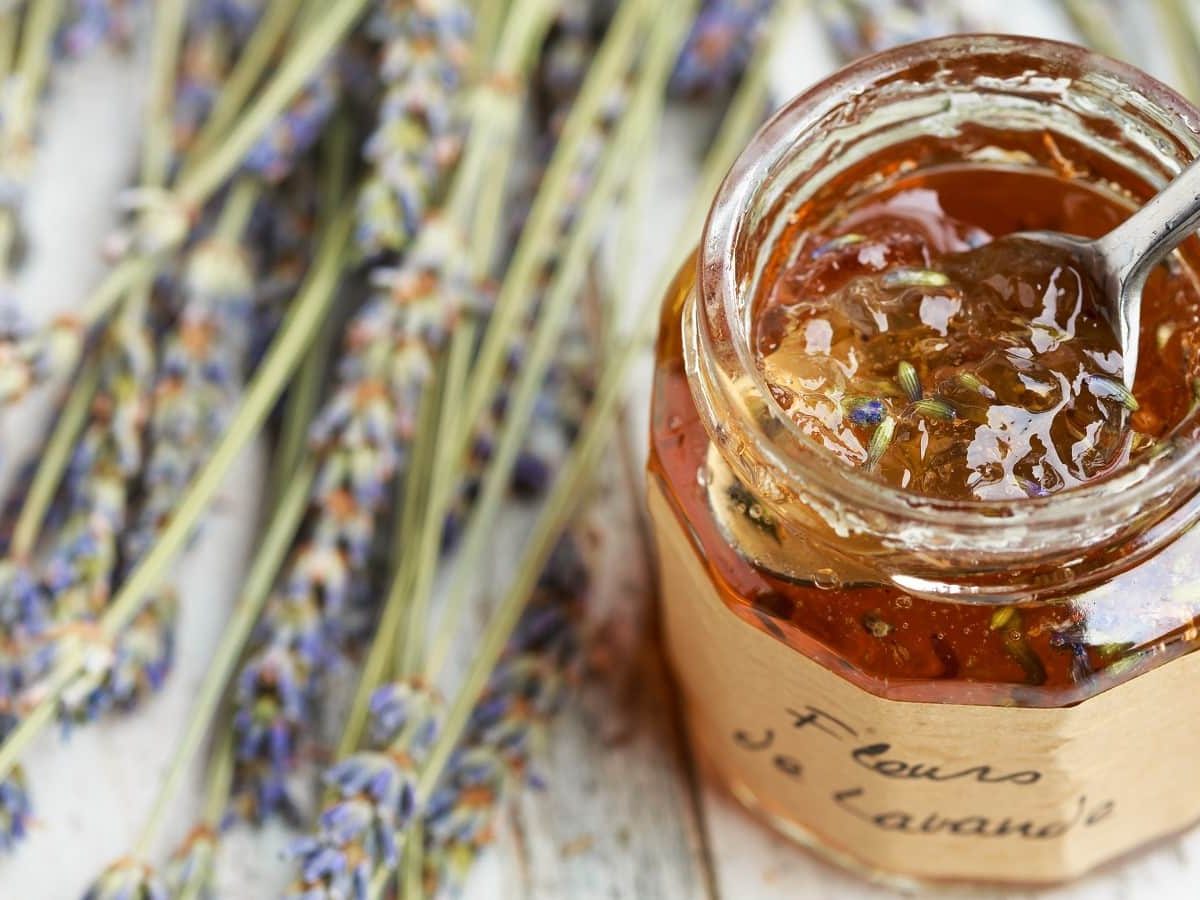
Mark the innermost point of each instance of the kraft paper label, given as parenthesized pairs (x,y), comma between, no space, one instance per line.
(926,790)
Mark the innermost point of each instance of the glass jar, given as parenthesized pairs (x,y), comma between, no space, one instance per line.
(921,688)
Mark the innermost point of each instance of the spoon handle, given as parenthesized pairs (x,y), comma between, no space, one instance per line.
(1142,240)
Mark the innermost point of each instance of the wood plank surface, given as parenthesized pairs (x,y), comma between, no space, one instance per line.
(625,813)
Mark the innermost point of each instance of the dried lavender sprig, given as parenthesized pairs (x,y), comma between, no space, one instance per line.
(420,130)
(202,368)
(719,47)
(507,726)
(371,790)
(402,618)
(356,836)
(75,578)
(132,666)
(308,311)
(72,577)
(195,391)
(359,438)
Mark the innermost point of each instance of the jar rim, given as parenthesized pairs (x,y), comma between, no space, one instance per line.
(718,277)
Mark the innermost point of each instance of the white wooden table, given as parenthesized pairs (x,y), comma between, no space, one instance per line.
(626,814)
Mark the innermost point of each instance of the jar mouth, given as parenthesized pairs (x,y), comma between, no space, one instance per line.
(1121,103)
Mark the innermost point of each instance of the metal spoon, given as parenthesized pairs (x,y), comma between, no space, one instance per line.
(1119,261)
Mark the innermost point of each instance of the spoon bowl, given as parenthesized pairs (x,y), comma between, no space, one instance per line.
(1119,262)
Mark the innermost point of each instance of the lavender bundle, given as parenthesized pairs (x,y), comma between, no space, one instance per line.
(352,824)
(310,309)
(491,715)
(189,873)
(361,435)
(371,790)
(357,824)
(127,650)
(165,217)
(438,783)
